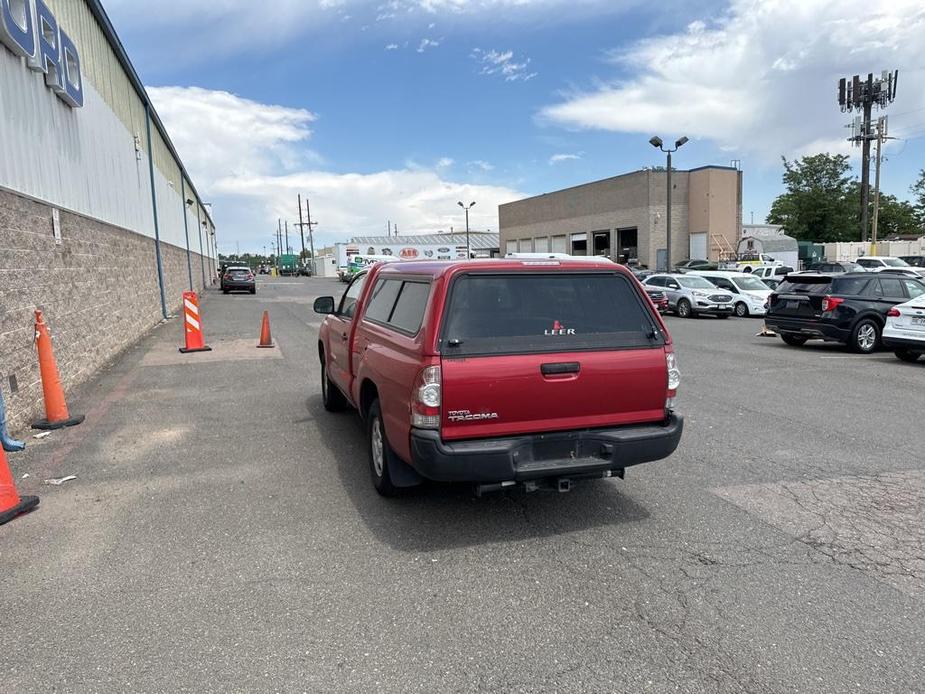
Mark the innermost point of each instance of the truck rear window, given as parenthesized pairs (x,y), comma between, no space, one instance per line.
(519,313)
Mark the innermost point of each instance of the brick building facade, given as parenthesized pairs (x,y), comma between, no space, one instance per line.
(624,217)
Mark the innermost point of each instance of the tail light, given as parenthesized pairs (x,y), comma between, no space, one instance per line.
(894,313)
(674,377)
(426,398)
(830,303)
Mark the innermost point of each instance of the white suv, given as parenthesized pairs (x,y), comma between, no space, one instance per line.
(876,263)
(904,332)
(749,293)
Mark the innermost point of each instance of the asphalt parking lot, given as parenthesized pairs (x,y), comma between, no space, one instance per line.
(222,535)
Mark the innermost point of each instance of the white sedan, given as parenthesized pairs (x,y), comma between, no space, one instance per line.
(905,329)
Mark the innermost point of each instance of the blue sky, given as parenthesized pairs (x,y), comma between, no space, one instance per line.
(394,110)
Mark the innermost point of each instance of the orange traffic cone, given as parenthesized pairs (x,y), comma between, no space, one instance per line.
(266,340)
(193,325)
(56,412)
(11,504)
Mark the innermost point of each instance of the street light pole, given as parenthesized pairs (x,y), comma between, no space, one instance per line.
(656,142)
(468,246)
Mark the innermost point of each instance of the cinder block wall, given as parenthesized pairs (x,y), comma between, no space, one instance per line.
(98,290)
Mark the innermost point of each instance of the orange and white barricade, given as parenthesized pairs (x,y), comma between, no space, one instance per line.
(192,324)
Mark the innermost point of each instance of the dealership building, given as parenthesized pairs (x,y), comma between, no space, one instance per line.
(101,225)
(624,217)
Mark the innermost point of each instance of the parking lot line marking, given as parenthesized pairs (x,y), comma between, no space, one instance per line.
(860,356)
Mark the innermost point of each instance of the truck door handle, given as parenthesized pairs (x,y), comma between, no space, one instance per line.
(567,367)
(343,337)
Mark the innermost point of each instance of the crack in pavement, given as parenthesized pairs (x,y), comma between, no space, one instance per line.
(870,523)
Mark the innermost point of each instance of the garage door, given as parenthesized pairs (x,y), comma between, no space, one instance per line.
(698,246)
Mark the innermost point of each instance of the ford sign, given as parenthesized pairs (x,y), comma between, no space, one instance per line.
(30,31)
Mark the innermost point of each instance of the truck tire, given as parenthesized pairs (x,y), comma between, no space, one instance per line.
(741,310)
(331,397)
(793,340)
(907,355)
(379,452)
(684,309)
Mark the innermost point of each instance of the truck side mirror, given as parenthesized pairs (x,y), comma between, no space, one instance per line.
(324,305)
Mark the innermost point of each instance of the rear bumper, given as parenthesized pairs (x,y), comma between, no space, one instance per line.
(894,341)
(810,329)
(238,285)
(538,456)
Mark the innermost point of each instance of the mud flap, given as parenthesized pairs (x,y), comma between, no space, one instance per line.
(402,474)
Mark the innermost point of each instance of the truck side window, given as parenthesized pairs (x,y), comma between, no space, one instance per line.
(382,300)
(348,305)
(409,309)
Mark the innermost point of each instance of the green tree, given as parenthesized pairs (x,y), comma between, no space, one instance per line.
(896,217)
(818,204)
(918,192)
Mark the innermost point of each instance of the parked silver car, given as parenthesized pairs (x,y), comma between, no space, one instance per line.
(690,295)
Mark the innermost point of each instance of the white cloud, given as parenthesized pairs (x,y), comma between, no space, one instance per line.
(252,159)
(391,47)
(481,165)
(427,43)
(502,63)
(761,79)
(559,158)
(355,203)
(217,133)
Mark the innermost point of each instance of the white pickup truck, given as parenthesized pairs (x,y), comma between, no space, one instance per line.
(771,272)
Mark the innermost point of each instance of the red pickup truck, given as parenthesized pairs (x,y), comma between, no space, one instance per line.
(501,372)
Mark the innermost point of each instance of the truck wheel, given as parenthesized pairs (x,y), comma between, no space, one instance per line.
(865,338)
(793,340)
(741,310)
(331,397)
(907,355)
(379,452)
(684,309)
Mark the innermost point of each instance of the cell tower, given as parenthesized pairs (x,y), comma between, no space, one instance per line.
(862,96)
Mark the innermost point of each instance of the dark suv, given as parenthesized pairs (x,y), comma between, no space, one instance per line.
(833,267)
(849,308)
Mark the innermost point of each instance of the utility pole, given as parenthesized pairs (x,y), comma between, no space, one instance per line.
(388,228)
(279,241)
(301,228)
(863,96)
(288,247)
(311,237)
(881,137)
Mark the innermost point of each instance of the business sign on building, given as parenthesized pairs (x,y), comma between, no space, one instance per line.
(416,251)
(29,29)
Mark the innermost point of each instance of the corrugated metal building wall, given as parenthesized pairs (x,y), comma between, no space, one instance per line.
(89,167)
